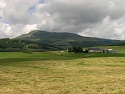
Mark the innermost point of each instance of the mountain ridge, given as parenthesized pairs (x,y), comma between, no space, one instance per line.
(39,40)
(35,31)
(65,38)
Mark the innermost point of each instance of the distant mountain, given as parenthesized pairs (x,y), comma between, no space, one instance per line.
(121,44)
(64,40)
(38,40)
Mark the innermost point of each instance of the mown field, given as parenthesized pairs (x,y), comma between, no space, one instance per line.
(62,73)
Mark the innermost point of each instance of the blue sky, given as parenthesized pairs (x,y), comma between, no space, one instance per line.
(42,1)
(32,8)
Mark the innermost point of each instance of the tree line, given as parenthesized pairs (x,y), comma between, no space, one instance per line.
(76,49)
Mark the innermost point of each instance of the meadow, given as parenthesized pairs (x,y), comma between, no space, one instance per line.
(119,49)
(62,73)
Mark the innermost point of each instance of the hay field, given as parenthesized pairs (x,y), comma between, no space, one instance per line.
(57,73)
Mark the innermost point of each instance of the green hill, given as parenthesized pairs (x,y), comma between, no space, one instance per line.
(38,40)
(64,40)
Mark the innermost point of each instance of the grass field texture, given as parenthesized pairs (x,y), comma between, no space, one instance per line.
(62,73)
(119,49)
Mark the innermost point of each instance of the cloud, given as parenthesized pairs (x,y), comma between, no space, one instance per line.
(2,4)
(111,29)
(95,18)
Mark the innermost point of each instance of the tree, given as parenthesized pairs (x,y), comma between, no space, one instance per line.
(86,51)
(75,49)
(70,49)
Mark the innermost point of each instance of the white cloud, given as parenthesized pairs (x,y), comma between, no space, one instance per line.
(28,28)
(95,18)
(5,30)
(111,29)
(2,4)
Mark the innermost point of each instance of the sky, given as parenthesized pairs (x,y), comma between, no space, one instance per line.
(92,18)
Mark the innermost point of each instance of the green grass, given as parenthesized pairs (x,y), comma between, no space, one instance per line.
(119,49)
(62,73)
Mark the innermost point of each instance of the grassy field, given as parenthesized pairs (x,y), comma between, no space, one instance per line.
(119,49)
(62,73)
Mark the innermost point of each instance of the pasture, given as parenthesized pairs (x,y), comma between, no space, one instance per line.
(62,73)
(119,49)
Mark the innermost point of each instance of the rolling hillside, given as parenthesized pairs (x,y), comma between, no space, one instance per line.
(64,40)
(38,40)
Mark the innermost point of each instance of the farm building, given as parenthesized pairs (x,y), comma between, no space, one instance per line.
(111,51)
(95,50)
(99,50)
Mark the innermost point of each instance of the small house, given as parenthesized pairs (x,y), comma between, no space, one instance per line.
(99,50)
(95,50)
(111,51)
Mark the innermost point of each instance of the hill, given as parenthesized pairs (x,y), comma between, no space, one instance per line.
(38,40)
(121,43)
(64,40)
